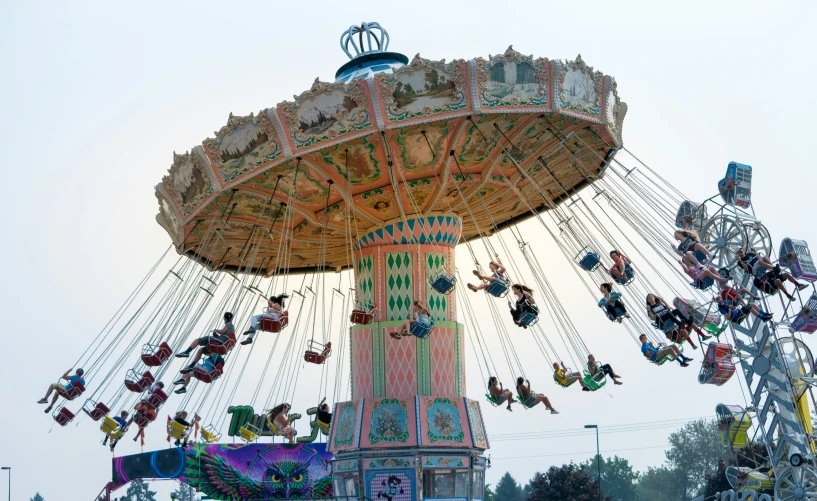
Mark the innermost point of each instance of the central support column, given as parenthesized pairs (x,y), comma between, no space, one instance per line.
(393,268)
(408,428)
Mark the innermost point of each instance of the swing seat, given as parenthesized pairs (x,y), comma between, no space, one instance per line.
(96,410)
(736,187)
(142,420)
(178,430)
(527,403)
(363,314)
(806,320)
(796,256)
(690,215)
(563,383)
(716,328)
(267,324)
(138,382)
(324,427)
(628,272)
(111,428)
(498,288)
(63,416)
(443,282)
(595,381)
(603,305)
(587,259)
(704,284)
(156,399)
(222,348)
(205,376)
(421,330)
(249,433)
(530,316)
(210,435)
(493,401)
(733,423)
(317,353)
(667,327)
(76,390)
(155,355)
(718,367)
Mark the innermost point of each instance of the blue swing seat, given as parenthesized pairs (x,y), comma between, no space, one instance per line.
(530,316)
(736,187)
(666,327)
(705,284)
(443,282)
(421,330)
(588,260)
(628,272)
(498,288)
(603,305)
(700,256)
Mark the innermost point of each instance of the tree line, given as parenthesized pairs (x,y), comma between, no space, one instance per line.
(695,465)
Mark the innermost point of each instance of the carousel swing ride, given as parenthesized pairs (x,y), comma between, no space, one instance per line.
(384,172)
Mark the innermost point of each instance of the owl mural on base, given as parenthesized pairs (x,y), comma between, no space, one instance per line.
(273,473)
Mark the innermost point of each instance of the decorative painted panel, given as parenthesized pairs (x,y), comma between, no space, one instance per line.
(389,463)
(324,112)
(346,465)
(443,421)
(362,362)
(399,280)
(480,438)
(437,303)
(188,182)
(358,157)
(445,462)
(245,144)
(423,88)
(512,80)
(578,89)
(389,422)
(346,426)
(443,351)
(400,366)
(438,230)
(365,279)
(394,485)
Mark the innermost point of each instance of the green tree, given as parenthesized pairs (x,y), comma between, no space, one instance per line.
(695,451)
(618,480)
(138,491)
(507,489)
(568,482)
(489,493)
(183,493)
(37,497)
(661,484)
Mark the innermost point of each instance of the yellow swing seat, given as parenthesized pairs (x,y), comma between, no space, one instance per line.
(324,427)
(178,430)
(249,433)
(209,434)
(111,428)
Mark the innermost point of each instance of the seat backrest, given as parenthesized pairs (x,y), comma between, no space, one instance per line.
(158,396)
(327,350)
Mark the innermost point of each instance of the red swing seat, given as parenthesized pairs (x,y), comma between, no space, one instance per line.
(63,416)
(363,314)
(222,348)
(267,324)
(96,410)
(155,355)
(718,367)
(207,377)
(141,420)
(313,356)
(76,390)
(156,399)
(138,382)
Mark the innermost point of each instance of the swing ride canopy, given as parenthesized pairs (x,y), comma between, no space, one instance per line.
(386,142)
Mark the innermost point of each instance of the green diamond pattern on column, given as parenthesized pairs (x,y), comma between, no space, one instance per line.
(365,281)
(436,302)
(398,285)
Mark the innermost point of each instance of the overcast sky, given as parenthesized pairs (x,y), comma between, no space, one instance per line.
(96,96)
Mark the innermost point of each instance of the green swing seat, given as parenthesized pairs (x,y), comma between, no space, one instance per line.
(528,403)
(595,381)
(715,329)
(492,400)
